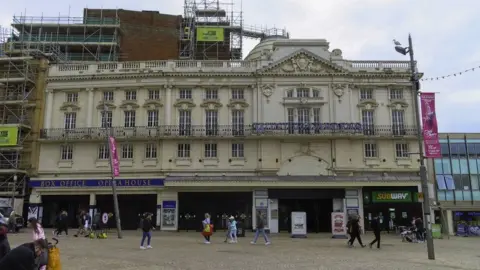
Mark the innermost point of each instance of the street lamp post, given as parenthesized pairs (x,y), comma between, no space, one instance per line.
(109,132)
(423,169)
(14,190)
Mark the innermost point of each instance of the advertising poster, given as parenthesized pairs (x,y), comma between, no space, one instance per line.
(299,224)
(430,126)
(339,229)
(210,34)
(114,153)
(169,214)
(8,136)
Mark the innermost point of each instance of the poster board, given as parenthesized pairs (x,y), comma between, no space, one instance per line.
(299,224)
(339,225)
(169,215)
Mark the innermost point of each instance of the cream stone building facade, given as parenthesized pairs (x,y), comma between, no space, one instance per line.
(295,121)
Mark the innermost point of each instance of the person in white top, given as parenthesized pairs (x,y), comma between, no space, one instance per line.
(39,233)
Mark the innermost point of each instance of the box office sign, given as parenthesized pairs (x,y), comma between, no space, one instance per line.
(391,196)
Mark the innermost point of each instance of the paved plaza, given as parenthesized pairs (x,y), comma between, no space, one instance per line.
(186,251)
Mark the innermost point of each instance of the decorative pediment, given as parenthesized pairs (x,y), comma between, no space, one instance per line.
(303,61)
(211,104)
(152,104)
(129,105)
(367,104)
(398,104)
(69,107)
(184,104)
(110,105)
(237,104)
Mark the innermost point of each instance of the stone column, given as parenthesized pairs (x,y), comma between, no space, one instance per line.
(49,109)
(90,107)
(168,104)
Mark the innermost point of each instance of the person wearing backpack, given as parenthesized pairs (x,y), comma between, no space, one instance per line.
(147,228)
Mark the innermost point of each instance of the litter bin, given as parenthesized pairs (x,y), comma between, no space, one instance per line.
(240,230)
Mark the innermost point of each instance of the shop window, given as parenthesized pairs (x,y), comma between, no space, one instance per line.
(438,166)
(446,166)
(473,166)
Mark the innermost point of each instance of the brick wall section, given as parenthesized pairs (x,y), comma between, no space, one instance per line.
(145,35)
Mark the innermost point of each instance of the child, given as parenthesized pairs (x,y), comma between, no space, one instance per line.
(147,228)
(233,230)
(207,228)
(228,231)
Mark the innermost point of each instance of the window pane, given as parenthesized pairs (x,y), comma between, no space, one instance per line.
(458,195)
(474,181)
(458,149)
(467,195)
(441,195)
(455,166)
(471,149)
(476,195)
(463,166)
(457,178)
(449,196)
(473,166)
(444,149)
(466,182)
(446,166)
(438,166)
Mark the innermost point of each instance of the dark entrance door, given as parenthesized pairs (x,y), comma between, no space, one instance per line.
(318,213)
(53,204)
(131,206)
(220,205)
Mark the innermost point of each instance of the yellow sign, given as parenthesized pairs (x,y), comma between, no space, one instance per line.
(8,136)
(210,34)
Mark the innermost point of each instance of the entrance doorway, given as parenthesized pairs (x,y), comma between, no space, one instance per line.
(131,206)
(220,205)
(318,214)
(53,204)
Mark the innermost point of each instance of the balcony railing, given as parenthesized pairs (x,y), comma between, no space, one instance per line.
(202,131)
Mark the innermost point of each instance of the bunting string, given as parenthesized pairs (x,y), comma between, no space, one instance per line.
(450,75)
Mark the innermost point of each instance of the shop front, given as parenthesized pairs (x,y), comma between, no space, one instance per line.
(394,206)
(466,223)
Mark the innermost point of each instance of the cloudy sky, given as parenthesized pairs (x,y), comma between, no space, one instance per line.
(445,35)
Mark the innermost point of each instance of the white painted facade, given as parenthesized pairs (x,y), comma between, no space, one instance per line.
(231,107)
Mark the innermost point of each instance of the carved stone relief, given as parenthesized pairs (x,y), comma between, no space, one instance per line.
(305,63)
(267,91)
(339,90)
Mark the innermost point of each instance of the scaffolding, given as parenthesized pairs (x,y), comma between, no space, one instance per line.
(214,30)
(93,37)
(19,67)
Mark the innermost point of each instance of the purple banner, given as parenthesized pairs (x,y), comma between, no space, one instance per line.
(113,152)
(430,126)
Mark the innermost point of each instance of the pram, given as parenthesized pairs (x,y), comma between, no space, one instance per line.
(408,235)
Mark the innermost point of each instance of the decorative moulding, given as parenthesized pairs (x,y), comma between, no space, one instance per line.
(152,104)
(237,104)
(69,107)
(129,105)
(372,161)
(184,104)
(398,103)
(403,161)
(367,104)
(183,162)
(210,162)
(238,162)
(65,164)
(211,104)
(102,163)
(126,163)
(150,162)
(110,105)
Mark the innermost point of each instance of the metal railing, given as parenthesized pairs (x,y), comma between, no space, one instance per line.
(202,131)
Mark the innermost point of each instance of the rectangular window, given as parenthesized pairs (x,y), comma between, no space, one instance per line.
(211,94)
(70,120)
(66,152)
(127,151)
(238,124)
(129,119)
(154,94)
(303,115)
(371,150)
(316,119)
(152,118)
(238,94)
(211,122)
(185,122)
(210,150)
(366,94)
(103,152)
(185,93)
(290,93)
(315,93)
(368,122)
(401,150)
(396,94)
(131,95)
(438,166)
(398,123)
(238,150)
(291,120)
(106,119)
(183,150)
(108,96)
(150,151)
(72,97)
(303,92)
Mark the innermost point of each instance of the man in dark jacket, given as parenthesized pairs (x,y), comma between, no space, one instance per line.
(375,225)
(260,230)
(355,232)
(419,229)
(23,257)
(4,244)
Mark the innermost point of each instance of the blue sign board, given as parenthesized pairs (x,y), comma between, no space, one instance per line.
(96,183)
(169,204)
(259,127)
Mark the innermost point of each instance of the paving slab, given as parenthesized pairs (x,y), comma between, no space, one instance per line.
(185,250)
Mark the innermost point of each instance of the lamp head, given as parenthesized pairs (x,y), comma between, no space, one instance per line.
(401,50)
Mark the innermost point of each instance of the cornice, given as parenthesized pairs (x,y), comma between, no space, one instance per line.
(149,103)
(184,103)
(237,103)
(129,104)
(211,104)
(69,106)
(110,105)
(395,103)
(367,103)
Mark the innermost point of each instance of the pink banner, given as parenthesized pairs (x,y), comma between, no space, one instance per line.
(430,126)
(114,153)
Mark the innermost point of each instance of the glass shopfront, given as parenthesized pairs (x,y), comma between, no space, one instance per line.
(467,223)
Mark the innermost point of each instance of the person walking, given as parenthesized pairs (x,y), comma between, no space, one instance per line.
(81,224)
(419,229)
(147,228)
(233,230)
(207,228)
(62,225)
(355,232)
(39,235)
(375,225)
(260,230)
(4,244)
